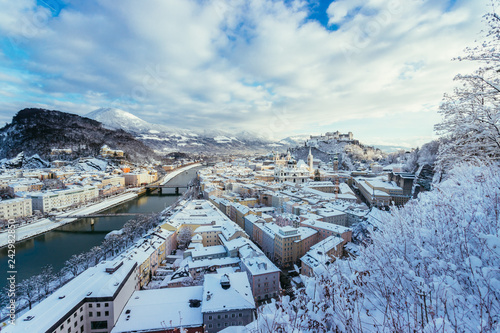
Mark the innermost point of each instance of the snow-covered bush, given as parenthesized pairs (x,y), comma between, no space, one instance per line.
(433,266)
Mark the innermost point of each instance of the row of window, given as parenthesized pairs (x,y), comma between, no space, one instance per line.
(233,315)
(226,324)
(98,313)
(98,305)
(68,321)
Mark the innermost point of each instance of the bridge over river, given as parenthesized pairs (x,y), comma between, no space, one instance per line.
(94,215)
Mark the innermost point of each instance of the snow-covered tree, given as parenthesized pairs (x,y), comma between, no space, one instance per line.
(29,290)
(471,114)
(46,278)
(432,266)
(184,237)
(74,264)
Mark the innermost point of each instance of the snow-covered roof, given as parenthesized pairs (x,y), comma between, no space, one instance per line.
(204,263)
(317,256)
(202,251)
(197,212)
(237,297)
(325,225)
(161,309)
(256,261)
(93,282)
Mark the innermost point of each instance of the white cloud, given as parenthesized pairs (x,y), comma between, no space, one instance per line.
(258,65)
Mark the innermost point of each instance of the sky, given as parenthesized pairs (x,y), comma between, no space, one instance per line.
(377,68)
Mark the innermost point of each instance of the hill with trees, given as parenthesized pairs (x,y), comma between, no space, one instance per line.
(38,131)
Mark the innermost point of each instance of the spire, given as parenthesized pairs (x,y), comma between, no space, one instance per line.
(310,160)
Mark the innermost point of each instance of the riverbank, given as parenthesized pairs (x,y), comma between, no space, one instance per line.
(44,225)
(177,172)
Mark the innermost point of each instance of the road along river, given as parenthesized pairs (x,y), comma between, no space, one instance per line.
(57,246)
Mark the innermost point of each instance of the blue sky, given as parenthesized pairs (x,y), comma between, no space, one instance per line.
(374,67)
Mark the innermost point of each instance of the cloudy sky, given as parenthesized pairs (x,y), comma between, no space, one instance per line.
(378,68)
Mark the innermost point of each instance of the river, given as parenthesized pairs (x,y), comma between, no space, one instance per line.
(58,245)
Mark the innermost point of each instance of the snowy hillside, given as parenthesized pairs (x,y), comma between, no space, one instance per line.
(119,119)
(165,139)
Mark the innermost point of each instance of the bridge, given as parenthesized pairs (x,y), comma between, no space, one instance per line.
(82,216)
(160,187)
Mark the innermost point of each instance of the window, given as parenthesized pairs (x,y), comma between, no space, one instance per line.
(218,316)
(233,315)
(62,326)
(209,317)
(218,324)
(210,325)
(81,329)
(226,316)
(98,313)
(240,314)
(81,318)
(106,305)
(74,315)
(90,305)
(90,314)
(226,324)
(76,323)
(106,313)
(98,305)
(96,325)
(69,329)
(68,320)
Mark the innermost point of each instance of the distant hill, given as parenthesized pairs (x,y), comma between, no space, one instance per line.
(38,131)
(348,152)
(165,139)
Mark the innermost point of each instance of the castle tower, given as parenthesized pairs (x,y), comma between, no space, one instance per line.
(310,160)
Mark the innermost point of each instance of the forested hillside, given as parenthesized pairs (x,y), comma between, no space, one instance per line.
(37,131)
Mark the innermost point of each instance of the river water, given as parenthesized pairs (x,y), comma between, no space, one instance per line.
(58,245)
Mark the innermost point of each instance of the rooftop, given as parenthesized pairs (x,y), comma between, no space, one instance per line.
(161,309)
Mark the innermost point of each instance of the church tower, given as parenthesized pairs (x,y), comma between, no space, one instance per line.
(310,160)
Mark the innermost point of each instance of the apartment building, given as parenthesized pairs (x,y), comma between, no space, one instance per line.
(45,202)
(263,275)
(15,208)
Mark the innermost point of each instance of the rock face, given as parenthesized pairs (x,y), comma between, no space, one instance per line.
(38,131)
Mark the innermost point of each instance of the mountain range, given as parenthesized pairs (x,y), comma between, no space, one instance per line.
(164,139)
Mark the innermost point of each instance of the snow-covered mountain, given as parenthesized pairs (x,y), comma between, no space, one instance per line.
(165,139)
(119,119)
(295,140)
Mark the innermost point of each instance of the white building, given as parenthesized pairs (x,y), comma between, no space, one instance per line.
(45,202)
(298,174)
(14,208)
(92,302)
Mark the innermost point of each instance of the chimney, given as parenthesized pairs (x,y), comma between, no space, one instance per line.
(224,282)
